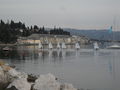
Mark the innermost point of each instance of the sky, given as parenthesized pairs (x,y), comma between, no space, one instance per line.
(78,14)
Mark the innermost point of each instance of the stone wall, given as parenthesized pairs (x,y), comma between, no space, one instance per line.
(54,39)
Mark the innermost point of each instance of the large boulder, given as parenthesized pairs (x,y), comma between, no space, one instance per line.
(46,82)
(67,86)
(10,79)
(49,82)
(5,78)
(20,84)
(17,74)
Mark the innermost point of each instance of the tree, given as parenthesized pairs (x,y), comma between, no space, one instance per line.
(59,31)
(6,36)
(36,27)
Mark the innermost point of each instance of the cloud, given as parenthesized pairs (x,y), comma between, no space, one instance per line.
(72,13)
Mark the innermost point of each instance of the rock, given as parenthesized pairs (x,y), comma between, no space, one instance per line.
(13,73)
(32,87)
(67,87)
(12,66)
(3,86)
(4,66)
(20,84)
(5,79)
(31,78)
(9,75)
(1,63)
(46,82)
(17,74)
(12,88)
(10,79)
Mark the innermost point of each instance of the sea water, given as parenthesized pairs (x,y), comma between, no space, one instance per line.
(86,68)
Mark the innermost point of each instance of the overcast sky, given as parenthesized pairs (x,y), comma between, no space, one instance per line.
(79,14)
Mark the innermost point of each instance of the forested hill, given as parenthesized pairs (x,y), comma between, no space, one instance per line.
(10,31)
(96,34)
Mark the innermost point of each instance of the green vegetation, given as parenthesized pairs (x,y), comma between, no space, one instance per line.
(59,31)
(7,34)
(10,32)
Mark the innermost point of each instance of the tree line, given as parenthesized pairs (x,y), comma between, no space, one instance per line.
(11,31)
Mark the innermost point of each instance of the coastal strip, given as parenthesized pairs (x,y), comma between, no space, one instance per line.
(11,79)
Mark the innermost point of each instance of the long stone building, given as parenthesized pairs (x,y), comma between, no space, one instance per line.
(54,39)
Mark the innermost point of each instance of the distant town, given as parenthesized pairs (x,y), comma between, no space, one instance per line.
(18,33)
(11,31)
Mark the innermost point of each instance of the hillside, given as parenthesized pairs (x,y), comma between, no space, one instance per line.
(96,34)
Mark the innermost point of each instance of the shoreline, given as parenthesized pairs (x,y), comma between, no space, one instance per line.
(11,79)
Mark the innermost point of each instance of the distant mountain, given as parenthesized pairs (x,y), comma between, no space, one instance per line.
(96,34)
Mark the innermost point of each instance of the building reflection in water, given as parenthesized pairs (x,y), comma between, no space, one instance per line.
(59,55)
(108,63)
(103,64)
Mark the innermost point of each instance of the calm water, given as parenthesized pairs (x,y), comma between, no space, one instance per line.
(85,68)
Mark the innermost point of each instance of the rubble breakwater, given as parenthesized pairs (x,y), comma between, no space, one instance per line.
(11,79)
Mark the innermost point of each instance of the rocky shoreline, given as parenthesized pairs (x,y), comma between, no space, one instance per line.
(11,79)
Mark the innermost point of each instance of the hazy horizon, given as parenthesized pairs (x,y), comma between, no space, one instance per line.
(78,14)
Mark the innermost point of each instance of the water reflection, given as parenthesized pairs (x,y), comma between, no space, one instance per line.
(85,68)
(9,54)
(109,61)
